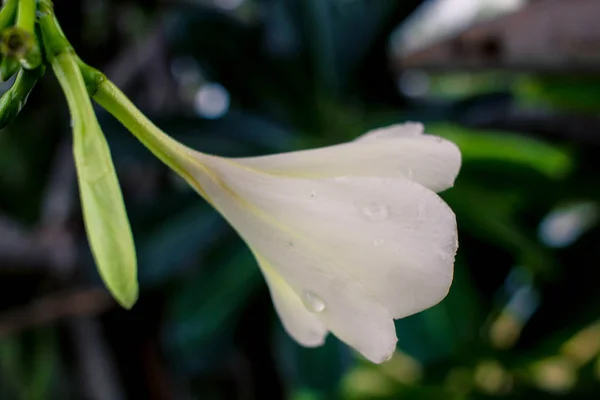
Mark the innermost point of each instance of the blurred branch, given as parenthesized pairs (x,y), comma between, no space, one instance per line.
(58,202)
(502,113)
(159,384)
(57,208)
(54,307)
(49,249)
(547,35)
(97,369)
(149,59)
(19,249)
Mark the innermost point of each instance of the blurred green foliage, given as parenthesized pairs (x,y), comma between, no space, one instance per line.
(520,321)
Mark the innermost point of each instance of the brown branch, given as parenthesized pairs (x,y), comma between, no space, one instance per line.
(54,307)
(95,365)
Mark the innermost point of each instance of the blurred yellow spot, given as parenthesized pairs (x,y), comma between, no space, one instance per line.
(459,380)
(556,374)
(367,382)
(505,331)
(582,347)
(492,378)
(403,368)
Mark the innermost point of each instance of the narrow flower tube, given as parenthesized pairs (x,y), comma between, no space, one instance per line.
(348,237)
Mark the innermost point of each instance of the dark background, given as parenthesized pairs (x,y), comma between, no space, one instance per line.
(522,318)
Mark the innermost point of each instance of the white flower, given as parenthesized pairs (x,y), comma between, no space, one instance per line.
(348,237)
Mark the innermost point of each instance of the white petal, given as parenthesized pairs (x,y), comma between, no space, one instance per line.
(369,248)
(408,129)
(301,324)
(398,151)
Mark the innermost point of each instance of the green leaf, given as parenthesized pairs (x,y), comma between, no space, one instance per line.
(573,93)
(508,147)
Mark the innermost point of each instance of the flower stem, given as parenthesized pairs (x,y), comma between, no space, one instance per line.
(55,42)
(14,99)
(7,13)
(161,145)
(26,15)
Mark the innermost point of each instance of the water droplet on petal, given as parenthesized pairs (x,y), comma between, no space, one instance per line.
(375,211)
(313,302)
(421,213)
(313,193)
(378,242)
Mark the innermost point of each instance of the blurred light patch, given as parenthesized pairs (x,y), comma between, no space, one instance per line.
(523,303)
(555,375)
(414,83)
(186,71)
(367,382)
(305,394)
(564,225)
(403,368)
(228,5)
(584,346)
(523,300)
(211,101)
(436,20)
(505,331)
(492,378)
(517,278)
(459,380)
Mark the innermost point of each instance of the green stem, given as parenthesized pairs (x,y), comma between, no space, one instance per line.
(55,42)
(32,57)
(71,81)
(7,13)
(14,99)
(161,145)
(65,64)
(26,15)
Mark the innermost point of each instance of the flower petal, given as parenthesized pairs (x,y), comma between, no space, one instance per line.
(369,249)
(301,324)
(397,151)
(397,131)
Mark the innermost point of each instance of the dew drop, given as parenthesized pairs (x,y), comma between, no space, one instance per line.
(375,211)
(313,302)
(378,242)
(313,193)
(421,213)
